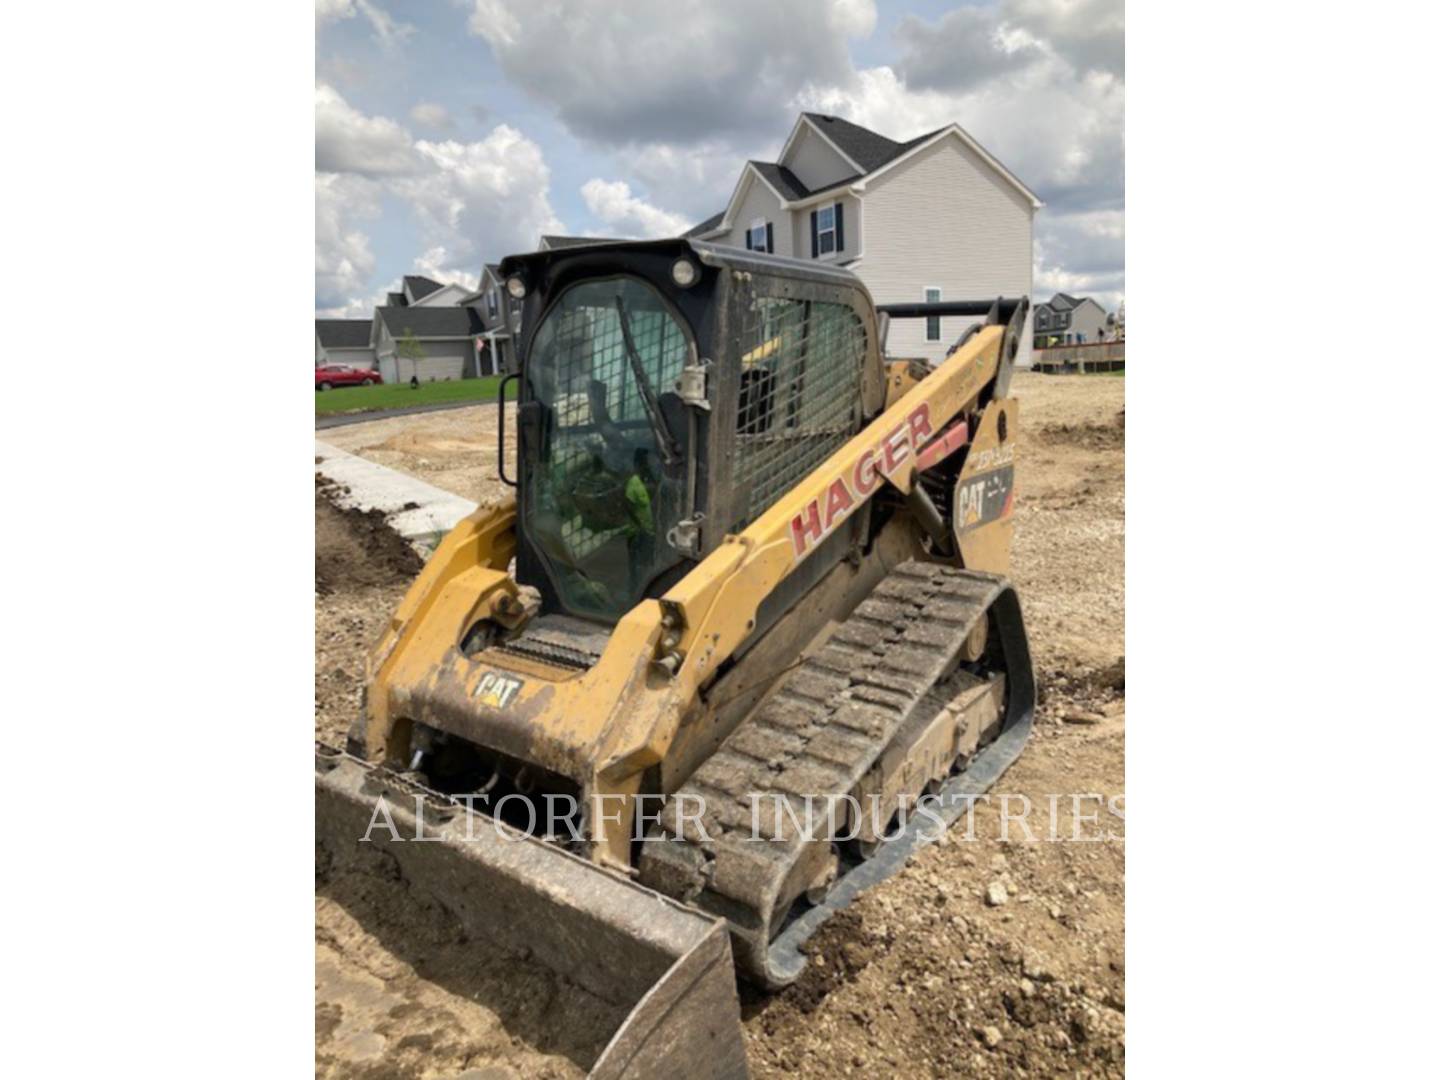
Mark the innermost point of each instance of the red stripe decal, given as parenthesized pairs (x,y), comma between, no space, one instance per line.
(939,449)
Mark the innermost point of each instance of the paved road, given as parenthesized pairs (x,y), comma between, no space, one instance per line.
(342,419)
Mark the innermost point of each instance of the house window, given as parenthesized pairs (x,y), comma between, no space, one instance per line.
(492,303)
(932,322)
(757,237)
(825,230)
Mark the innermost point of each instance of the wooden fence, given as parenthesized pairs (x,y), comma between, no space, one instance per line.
(1068,359)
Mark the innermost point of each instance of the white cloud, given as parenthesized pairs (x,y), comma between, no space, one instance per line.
(347,141)
(331,10)
(432,115)
(474,201)
(966,48)
(343,259)
(1090,34)
(1082,253)
(437,265)
(853,18)
(627,215)
(385,29)
(694,180)
(357,307)
(481,200)
(672,71)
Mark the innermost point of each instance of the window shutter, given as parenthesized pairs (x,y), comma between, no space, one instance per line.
(814,234)
(770,238)
(839,227)
(748,245)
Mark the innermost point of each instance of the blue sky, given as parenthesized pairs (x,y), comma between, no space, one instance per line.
(452,132)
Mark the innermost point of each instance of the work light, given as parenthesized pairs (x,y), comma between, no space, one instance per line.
(684,273)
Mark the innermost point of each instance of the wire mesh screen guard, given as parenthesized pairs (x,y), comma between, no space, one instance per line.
(601,503)
(800,368)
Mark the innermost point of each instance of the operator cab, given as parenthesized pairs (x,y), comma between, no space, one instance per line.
(670,392)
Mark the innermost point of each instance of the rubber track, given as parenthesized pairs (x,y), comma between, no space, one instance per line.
(816,736)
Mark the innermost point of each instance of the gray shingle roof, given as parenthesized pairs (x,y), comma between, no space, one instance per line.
(396,299)
(343,333)
(781,179)
(430,322)
(421,287)
(705,226)
(868,149)
(1065,302)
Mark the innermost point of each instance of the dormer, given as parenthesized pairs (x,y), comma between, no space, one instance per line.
(814,159)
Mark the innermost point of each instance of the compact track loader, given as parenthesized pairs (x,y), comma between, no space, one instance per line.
(751,569)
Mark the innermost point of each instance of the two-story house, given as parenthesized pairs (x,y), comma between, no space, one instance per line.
(1066,320)
(934,218)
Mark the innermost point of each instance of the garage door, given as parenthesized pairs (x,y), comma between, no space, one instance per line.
(442,362)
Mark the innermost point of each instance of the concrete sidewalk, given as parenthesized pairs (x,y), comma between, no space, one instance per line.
(420,512)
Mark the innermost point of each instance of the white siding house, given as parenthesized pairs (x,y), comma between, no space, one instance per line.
(934,218)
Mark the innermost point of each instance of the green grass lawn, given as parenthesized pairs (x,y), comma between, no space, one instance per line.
(349,399)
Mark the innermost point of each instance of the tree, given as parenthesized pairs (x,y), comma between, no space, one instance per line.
(409,348)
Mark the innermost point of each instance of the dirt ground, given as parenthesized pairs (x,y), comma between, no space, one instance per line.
(926,975)
(456,450)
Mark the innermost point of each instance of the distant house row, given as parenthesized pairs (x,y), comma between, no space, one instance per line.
(432,316)
(933,218)
(434,332)
(1069,320)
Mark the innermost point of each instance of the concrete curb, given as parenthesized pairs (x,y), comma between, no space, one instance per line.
(368,486)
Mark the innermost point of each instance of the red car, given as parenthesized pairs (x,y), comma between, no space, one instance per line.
(331,375)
